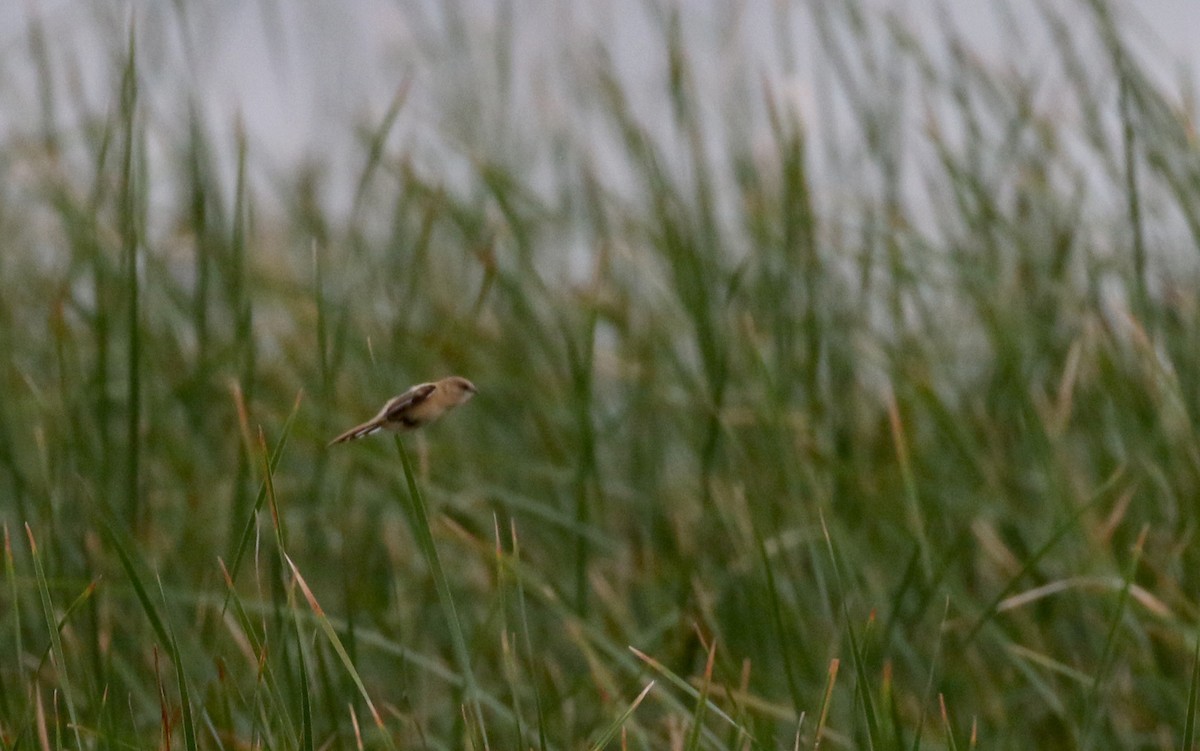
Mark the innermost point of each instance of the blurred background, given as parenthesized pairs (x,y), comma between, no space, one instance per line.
(481,75)
(838,374)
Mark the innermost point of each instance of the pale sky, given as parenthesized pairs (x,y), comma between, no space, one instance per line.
(302,75)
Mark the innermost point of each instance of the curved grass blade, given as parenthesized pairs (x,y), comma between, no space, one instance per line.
(524,611)
(418,516)
(56,648)
(615,727)
(78,602)
(693,741)
(1028,564)
(1189,724)
(277,708)
(1093,698)
(864,688)
(162,630)
(260,499)
(785,644)
(688,689)
(933,666)
(856,653)
(306,720)
(306,729)
(951,741)
(10,573)
(185,700)
(336,643)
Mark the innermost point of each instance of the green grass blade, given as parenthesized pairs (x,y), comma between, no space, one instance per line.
(185,699)
(306,729)
(863,688)
(162,629)
(777,619)
(126,556)
(83,597)
(274,704)
(951,741)
(530,655)
(680,683)
(580,360)
(695,734)
(252,521)
(507,649)
(1189,723)
(1027,565)
(418,517)
(56,647)
(10,573)
(131,240)
(929,684)
(306,718)
(615,726)
(336,643)
(1093,698)
(377,141)
(911,494)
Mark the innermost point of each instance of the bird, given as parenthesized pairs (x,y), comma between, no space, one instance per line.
(420,405)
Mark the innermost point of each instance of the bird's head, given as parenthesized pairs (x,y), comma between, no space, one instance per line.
(459,389)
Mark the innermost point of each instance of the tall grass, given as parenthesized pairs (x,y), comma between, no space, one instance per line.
(895,453)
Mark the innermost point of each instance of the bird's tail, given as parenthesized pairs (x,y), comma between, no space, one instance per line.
(359,431)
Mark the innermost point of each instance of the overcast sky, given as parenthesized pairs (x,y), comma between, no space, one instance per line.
(302,75)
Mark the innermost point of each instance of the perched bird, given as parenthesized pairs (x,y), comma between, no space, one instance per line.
(420,405)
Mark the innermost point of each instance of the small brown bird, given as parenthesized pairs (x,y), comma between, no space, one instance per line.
(420,405)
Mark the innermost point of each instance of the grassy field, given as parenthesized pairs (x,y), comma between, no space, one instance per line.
(756,463)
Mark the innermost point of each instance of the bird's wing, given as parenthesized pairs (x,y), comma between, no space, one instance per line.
(398,405)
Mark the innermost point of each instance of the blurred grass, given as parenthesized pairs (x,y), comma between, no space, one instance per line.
(809,461)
